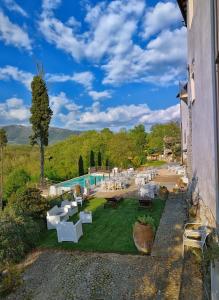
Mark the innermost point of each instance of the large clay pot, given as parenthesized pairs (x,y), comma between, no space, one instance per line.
(163,192)
(143,236)
(77,189)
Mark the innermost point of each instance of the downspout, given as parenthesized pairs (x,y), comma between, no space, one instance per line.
(215,105)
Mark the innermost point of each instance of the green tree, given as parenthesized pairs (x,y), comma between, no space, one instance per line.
(16,179)
(159,133)
(107,163)
(3,144)
(41,115)
(99,159)
(30,203)
(80,166)
(92,159)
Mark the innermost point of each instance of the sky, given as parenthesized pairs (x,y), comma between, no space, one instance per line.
(107,63)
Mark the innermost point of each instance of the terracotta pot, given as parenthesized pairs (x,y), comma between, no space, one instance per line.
(77,189)
(143,236)
(163,193)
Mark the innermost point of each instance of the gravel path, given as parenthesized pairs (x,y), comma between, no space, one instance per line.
(59,275)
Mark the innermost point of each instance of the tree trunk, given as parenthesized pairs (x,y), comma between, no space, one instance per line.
(1,187)
(41,164)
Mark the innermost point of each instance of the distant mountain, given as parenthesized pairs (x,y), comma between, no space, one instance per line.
(19,134)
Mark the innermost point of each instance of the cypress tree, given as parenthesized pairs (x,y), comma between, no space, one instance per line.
(92,159)
(107,163)
(41,115)
(99,159)
(80,166)
(3,143)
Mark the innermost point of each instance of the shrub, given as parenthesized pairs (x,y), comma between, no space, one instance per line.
(18,235)
(15,180)
(29,202)
(147,220)
(10,280)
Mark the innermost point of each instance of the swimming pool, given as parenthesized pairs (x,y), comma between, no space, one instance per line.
(92,179)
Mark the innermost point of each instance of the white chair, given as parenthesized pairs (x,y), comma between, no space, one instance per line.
(195,229)
(69,232)
(56,215)
(72,205)
(195,242)
(79,200)
(85,217)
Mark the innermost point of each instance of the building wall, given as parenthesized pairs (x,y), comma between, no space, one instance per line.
(201,91)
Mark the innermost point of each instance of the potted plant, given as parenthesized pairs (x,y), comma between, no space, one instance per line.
(77,190)
(163,192)
(143,233)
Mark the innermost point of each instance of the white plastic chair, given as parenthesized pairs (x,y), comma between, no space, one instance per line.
(196,243)
(69,232)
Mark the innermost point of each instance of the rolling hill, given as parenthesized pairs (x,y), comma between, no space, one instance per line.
(19,134)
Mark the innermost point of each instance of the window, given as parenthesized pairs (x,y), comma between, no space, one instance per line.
(192,81)
(190,12)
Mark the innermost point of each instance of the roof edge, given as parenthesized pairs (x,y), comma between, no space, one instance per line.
(183,7)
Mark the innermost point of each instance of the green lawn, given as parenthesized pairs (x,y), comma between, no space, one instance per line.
(111,230)
(154,163)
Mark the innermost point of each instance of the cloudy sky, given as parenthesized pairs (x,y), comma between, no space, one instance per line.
(107,63)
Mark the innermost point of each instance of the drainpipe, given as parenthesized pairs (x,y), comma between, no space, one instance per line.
(215,102)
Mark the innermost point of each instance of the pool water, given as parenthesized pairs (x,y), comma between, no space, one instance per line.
(81,181)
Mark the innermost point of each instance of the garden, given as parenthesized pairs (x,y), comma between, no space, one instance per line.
(111,229)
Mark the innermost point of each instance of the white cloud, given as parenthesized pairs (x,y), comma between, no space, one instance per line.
(61,101)
(99,95)
(83,78)
(13,6)
(117,117)
(49,5)
(14,102)
(61,35)
(162,62)
(162,16)
(110,41)
(10,72)
(12,34)
(14,110)
(162,115)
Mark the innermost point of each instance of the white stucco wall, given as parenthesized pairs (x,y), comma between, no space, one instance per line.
(204,162)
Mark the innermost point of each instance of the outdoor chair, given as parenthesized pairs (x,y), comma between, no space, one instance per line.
(85,217)
(72,205)
(198,242)
(56,215)
(195,229)
(69,232)
(79,200)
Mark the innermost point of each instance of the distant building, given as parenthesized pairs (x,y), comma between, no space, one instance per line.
(199,101)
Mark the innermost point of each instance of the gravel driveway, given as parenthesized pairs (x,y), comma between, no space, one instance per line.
(59,275)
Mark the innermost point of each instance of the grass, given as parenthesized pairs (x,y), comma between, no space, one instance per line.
(154,163)
(111,230)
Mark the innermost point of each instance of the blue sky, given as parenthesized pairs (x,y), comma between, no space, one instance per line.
(107,63)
